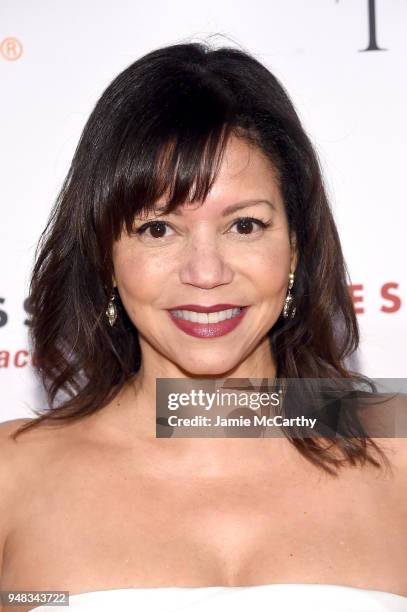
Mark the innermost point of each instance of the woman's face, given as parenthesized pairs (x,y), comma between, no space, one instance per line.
(203,255)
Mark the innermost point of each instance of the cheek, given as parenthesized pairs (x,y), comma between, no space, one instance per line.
(139,277)
(269,268)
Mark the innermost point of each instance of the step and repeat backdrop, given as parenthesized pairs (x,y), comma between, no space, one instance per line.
(343,63)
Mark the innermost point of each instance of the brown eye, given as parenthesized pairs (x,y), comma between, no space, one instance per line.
(157,229)
(246,224)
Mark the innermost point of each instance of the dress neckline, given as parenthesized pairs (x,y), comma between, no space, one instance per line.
(249,586)
(298,591)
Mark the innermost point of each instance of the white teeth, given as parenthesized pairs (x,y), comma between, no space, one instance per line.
(205,318)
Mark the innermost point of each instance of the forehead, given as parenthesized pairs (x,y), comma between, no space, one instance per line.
(245,176)
(243,161)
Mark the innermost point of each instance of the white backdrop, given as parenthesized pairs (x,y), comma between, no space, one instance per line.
(344,70)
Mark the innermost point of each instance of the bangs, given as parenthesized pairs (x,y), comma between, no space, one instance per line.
(168,144)
(180,169)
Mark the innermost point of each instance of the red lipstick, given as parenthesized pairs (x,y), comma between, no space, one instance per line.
(198,308)
(208,330)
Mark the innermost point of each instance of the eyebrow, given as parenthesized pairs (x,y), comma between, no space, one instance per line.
(233,207)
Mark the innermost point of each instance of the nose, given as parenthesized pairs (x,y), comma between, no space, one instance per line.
(204,266)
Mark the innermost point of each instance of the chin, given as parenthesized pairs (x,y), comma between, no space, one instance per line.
(214,369)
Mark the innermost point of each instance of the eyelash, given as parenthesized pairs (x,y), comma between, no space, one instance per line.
(263,224)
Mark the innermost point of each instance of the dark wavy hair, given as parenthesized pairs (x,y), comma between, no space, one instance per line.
(161,127)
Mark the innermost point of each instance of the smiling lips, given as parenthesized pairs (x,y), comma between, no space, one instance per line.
(207,321)
(198,308)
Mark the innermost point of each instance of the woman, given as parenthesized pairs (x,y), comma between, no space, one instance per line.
(193,187)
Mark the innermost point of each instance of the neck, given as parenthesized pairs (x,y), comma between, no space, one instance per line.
(140,393)
(133,413)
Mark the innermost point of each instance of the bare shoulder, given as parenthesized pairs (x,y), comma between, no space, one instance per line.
(10,449)
(22,460)
(7,428)
(385,420)
(11,462)
(395,450)
(12,456)
(394,445)
(21,454)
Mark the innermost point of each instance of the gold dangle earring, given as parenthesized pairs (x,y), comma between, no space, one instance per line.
(288,302)
(111,311)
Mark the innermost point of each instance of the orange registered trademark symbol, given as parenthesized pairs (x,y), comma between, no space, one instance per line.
(11,49)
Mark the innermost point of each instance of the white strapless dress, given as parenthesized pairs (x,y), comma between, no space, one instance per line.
(270,597)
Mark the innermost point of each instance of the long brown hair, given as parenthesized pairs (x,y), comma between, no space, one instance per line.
(163,123)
